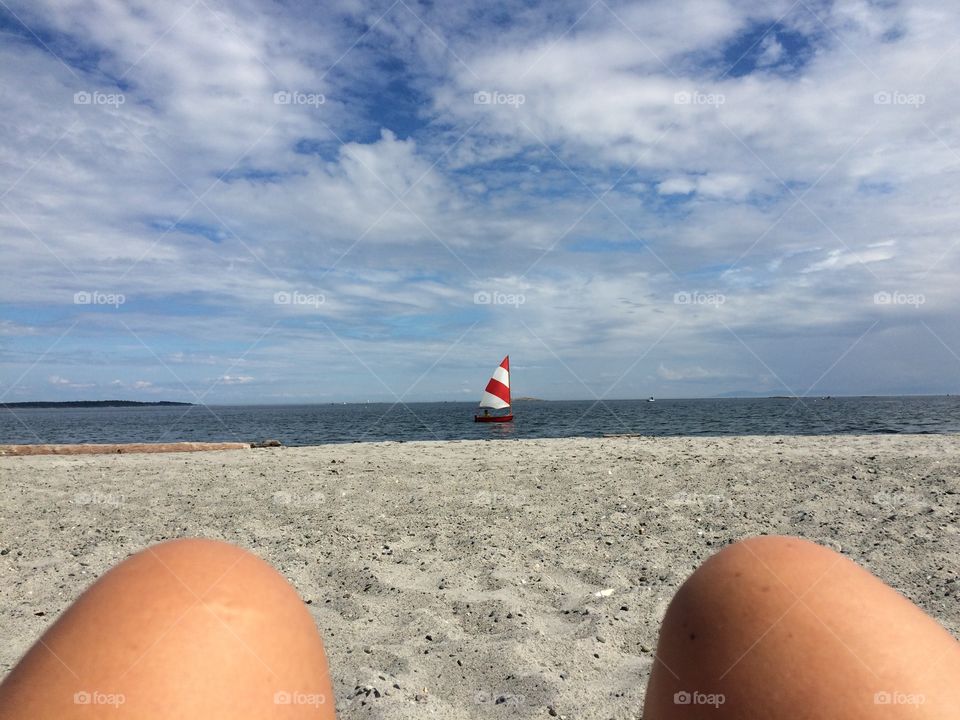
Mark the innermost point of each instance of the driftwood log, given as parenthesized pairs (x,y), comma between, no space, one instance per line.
(120,448)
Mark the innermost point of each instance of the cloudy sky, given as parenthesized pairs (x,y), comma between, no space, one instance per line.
(269,202)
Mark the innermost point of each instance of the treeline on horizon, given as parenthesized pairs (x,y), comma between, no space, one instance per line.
(88,404)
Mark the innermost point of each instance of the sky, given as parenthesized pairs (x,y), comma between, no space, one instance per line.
(289,202)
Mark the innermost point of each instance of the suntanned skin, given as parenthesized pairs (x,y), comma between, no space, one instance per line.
(185,629)
(769,628)
(782,628)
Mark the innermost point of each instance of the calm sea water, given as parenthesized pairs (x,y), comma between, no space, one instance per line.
(314,424)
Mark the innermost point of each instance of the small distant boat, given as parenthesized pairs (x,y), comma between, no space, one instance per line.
(650,399)
(496,396)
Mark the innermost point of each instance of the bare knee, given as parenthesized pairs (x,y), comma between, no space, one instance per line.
(206,591)
(771,552)
(718,624)
(196,627)
(762,565)
(199,569)
(759,623)
(739,592)
(193,560)
(198,549)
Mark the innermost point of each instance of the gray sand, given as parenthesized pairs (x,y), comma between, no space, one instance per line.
(534,572)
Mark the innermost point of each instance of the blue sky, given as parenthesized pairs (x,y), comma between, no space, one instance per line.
(276,202)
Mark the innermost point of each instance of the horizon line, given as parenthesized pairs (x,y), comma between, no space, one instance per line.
(472,402)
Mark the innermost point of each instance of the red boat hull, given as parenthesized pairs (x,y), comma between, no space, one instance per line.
(493,418)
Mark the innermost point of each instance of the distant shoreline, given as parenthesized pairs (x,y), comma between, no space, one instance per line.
(91,404)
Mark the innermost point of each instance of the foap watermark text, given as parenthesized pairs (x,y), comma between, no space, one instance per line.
(297,97)
(899,298)
(898,698)
(98,498)
(894,97)
(95,697)
(96,97)
(292,697)
(697,97)
(96,297)
(696,297)
(494,97)
(296,297)
(684,697)
(494,297)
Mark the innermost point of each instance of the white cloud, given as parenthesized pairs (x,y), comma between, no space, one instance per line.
(714,185)
(771,51)
(62,382)
(840,259)
(235,379)
(691,373)
(676,186)
(11,328)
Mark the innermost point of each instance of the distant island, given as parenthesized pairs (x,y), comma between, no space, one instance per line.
(90,404)
(529,399)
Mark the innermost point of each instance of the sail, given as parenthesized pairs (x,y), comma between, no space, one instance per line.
(497,394)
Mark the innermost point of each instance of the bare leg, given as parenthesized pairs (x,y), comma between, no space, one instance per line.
(778,627)
(189,628)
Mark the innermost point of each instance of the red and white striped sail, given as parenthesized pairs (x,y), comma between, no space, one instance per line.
(497,394)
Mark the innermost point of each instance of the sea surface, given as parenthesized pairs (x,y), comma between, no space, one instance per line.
(339,423)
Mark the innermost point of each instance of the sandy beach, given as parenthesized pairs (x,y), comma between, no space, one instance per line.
(486,579)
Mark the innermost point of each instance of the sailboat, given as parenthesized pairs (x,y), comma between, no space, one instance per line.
(496,396)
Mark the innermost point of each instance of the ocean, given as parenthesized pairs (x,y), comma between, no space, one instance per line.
(341,423)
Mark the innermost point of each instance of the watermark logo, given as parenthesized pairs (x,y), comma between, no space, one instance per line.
(696,499)
(485,297)
(285,697)
(296,97)
(97,97)
(894,97)
(285,497)
(898,500)
(696,97)
(695,297)
(488,697)
(95,297)
(899,298)
(493,97)
(898,698)
(97,498)
(499,499)
(698,698)
(94,697)
(299,298)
